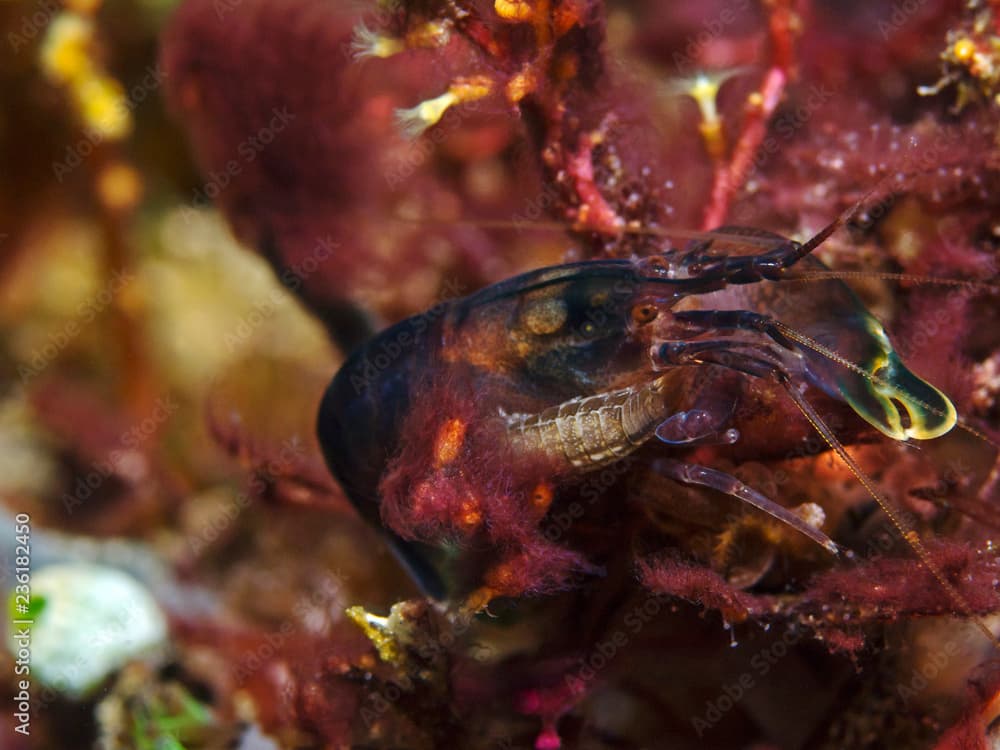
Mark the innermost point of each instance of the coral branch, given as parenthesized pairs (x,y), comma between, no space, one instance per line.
(594,212)
(782,27)
(729,178)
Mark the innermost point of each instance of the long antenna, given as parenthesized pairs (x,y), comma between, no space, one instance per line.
(762,241)
(909,278)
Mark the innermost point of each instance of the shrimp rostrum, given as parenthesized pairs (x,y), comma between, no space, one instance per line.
(458,429)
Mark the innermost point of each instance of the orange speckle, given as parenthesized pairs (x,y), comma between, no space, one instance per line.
(501,577)
(469,513)
(541,498)
(448,443)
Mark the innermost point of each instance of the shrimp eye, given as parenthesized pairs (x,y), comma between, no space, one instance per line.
(642,314)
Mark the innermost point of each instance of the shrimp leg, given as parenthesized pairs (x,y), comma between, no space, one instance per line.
(723,352)
(696,474)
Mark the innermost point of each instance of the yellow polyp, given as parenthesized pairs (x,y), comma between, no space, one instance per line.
(67,57)
(713,138)
(704,89)
(65,53)
(416,120)
(367,43)
(964,49)
(471,89)
(515,11)
(387,46)
(520,85)
(429,35)
(449,441)
(102,107)
(119,186)
(376,629)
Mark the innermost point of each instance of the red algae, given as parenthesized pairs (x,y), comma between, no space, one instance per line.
(701,586)
(891,587)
